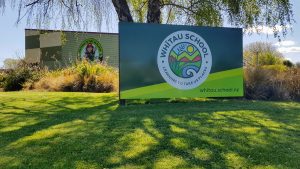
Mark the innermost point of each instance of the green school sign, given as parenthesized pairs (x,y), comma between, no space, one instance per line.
(166,61)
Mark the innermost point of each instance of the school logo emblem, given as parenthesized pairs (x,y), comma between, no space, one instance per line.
(184,60)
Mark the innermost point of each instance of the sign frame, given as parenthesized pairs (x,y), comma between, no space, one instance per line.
(237,71)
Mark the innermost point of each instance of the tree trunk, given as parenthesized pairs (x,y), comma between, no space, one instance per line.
(153,15)
(122,10)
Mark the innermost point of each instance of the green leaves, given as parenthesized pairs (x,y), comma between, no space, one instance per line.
(239,13)
(208,15)
(139,9)
(261,54)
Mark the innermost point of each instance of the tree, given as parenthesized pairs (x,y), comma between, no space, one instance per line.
(260,54)
(288,63)
(11,63)
(81,13)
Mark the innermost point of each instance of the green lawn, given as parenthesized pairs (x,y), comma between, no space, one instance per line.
(81,130)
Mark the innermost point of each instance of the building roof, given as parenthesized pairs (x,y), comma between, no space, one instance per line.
(53,30)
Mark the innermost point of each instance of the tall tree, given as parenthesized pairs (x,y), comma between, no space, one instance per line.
(10,63)
(277,14)
(260,54)
(122,10)
(153,15)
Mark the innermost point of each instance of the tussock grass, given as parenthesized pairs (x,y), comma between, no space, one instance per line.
(272,82)
(81,77)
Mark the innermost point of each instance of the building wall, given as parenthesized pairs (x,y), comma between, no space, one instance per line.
(109,43)
(57,49)
(32,46)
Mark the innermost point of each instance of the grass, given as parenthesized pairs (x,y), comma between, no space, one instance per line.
(85,130)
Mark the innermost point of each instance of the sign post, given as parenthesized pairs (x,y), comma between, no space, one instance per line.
(171,61)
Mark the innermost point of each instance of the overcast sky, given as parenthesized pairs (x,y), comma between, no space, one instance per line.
(12,36)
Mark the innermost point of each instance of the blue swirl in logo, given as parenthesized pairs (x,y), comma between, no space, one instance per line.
(189,71)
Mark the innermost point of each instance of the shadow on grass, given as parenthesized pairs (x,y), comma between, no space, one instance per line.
(92,131)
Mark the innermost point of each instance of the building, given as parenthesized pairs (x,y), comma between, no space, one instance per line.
(57,49)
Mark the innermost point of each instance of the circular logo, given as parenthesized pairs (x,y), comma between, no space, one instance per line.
(184,60)
(91,50)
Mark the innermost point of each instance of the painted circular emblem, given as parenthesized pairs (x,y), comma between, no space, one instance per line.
(184,60)
(91,50)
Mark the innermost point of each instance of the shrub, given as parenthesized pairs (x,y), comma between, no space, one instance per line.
(23,73)
(63,82)
(82,76)
(15,79)
(291,81)
(107,82)
(269,83)
(2,79)
(288,63)
(275,69)
(256,81)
